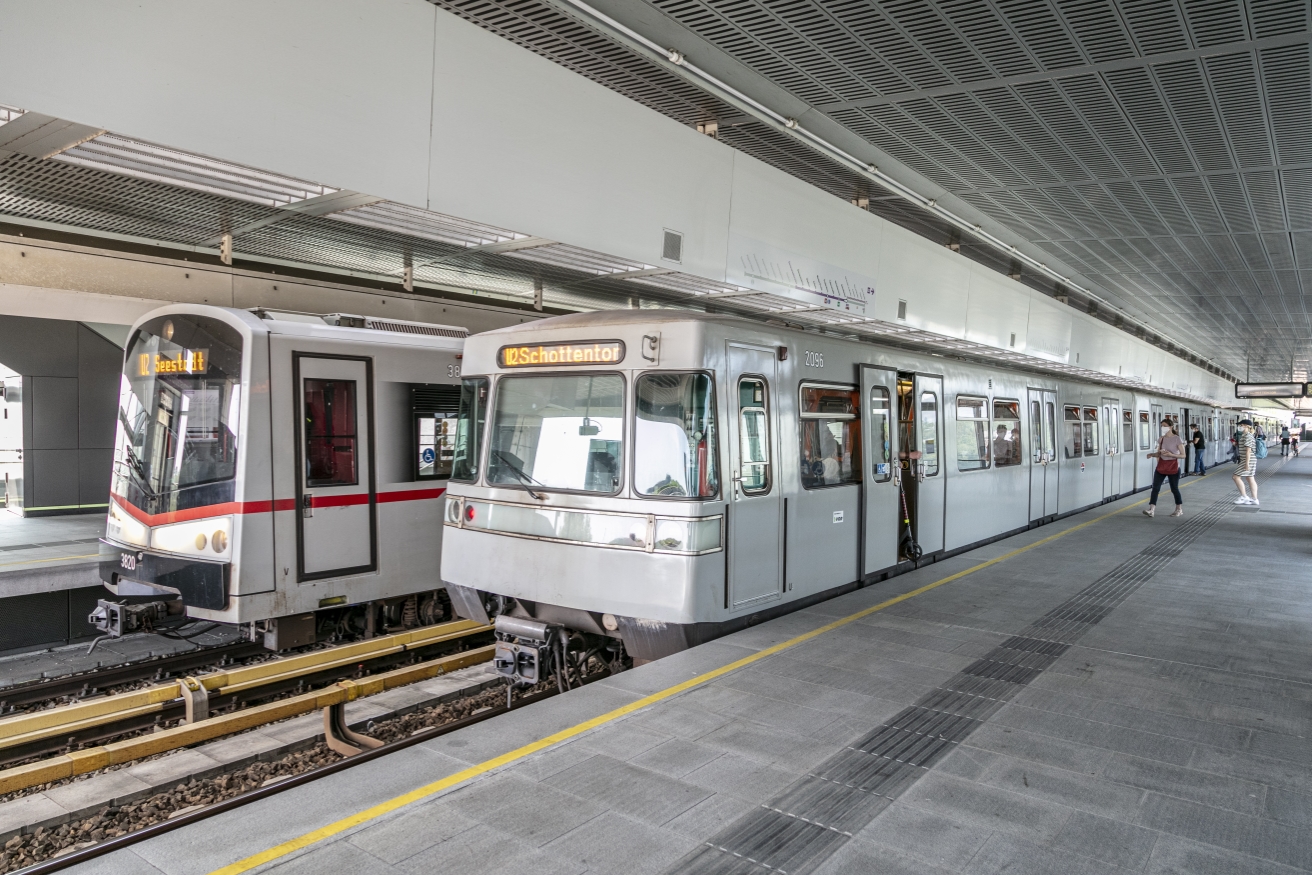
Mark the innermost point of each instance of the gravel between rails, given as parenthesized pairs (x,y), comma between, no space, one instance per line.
(26,850)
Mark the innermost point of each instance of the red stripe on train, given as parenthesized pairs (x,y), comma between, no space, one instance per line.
(278,504)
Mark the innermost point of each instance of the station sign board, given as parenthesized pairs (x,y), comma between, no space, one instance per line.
(185,361)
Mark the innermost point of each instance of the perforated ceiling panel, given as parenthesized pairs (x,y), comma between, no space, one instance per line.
(1162,150)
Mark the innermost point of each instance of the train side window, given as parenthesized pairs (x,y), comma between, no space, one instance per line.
(972,433)
(330,438)
(1006,433)
(675,448)
(881,437)
(1050,429)
(1090,431)
(470,420)
(1145,436)
(435,435)
(929,433)
(1127,430)
(830,436)
(1109,427)
(1074,442)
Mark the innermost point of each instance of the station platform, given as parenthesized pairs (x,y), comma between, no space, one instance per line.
(1108,693)
(49,580)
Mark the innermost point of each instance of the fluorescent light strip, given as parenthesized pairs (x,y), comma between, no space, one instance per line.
(121,155)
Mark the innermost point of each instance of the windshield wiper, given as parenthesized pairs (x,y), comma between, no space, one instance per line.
(520,475)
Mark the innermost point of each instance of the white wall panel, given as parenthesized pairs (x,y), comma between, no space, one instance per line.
(998,308)
(933,280)
(333,91)
(1049,335)
(521,142)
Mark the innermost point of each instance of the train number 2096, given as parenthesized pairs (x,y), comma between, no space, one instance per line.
(814,359)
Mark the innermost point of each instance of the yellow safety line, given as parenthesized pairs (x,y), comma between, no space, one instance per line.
(482,768)
(51,559)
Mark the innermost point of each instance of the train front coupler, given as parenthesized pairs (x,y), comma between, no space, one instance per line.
(528,652)
(114,619)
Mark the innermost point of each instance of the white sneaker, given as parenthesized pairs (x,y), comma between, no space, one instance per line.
(1254,502)
(1243,499)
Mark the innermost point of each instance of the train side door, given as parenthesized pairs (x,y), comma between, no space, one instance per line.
(1111,428)
(756,538)
(1043,439)
(336,523)
(881,510)
(931,492)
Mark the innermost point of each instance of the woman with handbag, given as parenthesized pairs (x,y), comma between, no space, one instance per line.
(1169,452)
(1247,464)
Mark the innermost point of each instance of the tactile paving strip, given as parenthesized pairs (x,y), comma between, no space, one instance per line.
(798,830)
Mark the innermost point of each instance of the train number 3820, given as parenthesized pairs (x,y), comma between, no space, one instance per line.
(128,561)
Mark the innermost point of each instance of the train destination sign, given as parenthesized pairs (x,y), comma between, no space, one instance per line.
(584,352)
(186,361)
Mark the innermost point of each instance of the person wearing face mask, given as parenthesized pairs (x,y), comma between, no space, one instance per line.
(1169,452)
(1246,477)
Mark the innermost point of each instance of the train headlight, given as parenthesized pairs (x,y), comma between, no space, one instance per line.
(120,526)
(207,538)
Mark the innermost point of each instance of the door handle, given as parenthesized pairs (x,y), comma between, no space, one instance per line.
(307,505)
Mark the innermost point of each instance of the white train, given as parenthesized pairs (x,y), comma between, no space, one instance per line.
(661,478)
(282,471)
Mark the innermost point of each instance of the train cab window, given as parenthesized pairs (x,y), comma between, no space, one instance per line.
(881,434)
(1006,433)
(1090,431)
(830,436)
(470,419)
(330,438)
(562,431)
(675,450)
(1145,436)
(1127,430)
(1074,433)
(972,433)
(929,433)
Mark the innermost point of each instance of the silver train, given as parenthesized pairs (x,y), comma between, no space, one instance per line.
(279,471)
(660,478)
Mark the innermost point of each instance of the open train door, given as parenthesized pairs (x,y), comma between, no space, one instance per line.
(881,513)
(336,523)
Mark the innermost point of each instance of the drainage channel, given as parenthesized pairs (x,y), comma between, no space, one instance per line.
(807,822)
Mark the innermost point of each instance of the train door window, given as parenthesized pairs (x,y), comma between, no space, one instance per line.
(1006,433)
(1050,429)
(972,433)
(1036,430)
(1074,441)
(675,447)
(330,438)
(929,432)
(1145,436)
(470,419)
(830,436)
(881,434)
(1109,427)
(1127,430)
(753,437)
(1090,431)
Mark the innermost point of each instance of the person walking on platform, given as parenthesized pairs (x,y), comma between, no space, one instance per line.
(1169,452)
(1247,447)
(1284,440)
(1293,440)
(1200,467)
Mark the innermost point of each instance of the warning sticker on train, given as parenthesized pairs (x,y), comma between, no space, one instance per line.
(586,352)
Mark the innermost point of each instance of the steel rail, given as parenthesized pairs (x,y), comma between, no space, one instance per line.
(109,846)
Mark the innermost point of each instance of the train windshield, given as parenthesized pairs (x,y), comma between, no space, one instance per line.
(558,432)
(179,404)
(674,455)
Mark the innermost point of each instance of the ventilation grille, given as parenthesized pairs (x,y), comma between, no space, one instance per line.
(414,328)
(672,250)
(434,397)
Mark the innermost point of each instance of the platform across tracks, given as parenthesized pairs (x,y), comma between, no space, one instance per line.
(1108,693)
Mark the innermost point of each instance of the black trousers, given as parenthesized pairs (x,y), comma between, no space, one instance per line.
(1174,479)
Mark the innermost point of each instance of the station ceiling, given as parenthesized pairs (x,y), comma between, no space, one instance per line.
(1157,152)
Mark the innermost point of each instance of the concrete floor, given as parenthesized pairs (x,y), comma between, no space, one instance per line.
(1172,736)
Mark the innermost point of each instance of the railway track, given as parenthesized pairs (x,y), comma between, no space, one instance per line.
(220,702)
